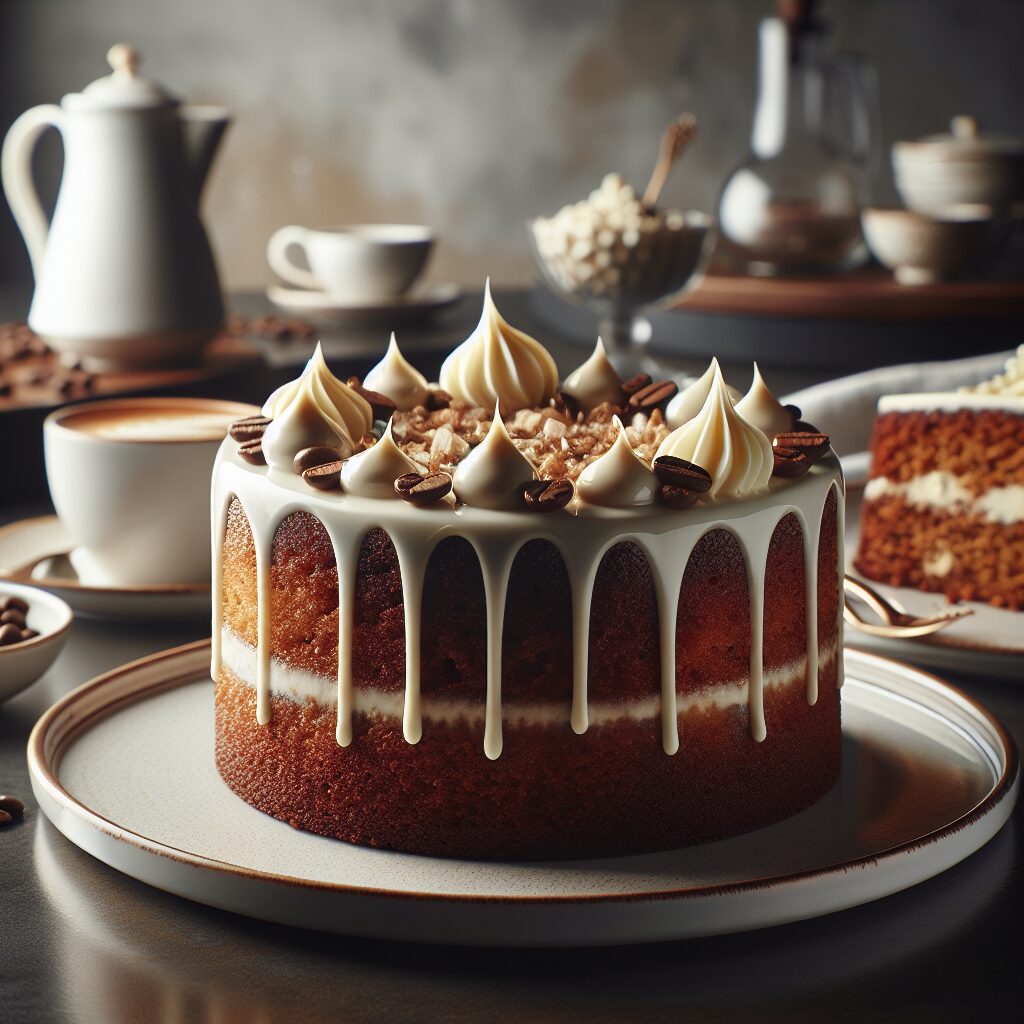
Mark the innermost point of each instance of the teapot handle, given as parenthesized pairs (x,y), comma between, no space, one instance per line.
(16,174)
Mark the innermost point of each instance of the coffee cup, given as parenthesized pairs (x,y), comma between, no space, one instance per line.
(130,480)
(357,262)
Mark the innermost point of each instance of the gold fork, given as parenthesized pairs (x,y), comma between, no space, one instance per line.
(896,624)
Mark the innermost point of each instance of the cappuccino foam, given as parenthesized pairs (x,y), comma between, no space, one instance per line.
(154,423)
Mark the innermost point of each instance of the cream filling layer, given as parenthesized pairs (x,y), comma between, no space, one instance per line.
(300,685)
(942,490)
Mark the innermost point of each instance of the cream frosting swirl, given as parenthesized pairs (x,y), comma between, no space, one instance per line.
(493,473)
(619,478)
(316,408)
(736,454)
(373,472)
(397,378)
(762,409)
(499,364)
(594,381)
(691,399)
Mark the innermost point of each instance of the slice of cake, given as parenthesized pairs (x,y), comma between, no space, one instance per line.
(944,505)
(506,616)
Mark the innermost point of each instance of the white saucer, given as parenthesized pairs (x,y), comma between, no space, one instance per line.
(38,551)
(428,299)
(989,642)
(124,767)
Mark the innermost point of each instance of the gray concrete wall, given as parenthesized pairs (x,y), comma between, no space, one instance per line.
(472,116)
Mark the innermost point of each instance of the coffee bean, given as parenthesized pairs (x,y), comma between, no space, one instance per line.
(29,634)
(6,817)
(249,429)
(548,495)
(383,407)
(9,634)
(12,806)
(423,490)
(318,455)
(16,604)
(678,498)
(678,472)
(790,463)
(651,396)
(39,377)
(813,445)
(252,452)
(634,384)
(324,477)
(14,616)
(794,411)
(567,404)
(437,399)
(5,388)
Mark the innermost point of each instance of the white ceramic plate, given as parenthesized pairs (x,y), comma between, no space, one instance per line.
(124,767)
(43,543)
(989,642)
(320,305)
(23,663)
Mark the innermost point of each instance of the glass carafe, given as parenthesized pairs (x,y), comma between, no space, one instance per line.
(794,205)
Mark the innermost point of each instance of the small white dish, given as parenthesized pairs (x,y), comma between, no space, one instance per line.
(321,305)
(989,642)
(37,551)
(928,777)
(23,663)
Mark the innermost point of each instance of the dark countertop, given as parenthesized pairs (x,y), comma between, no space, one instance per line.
(81,942)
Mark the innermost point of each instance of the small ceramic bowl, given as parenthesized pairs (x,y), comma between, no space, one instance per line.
(25,662)
(921,249)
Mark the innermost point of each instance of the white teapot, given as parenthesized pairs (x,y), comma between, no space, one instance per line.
(124,275)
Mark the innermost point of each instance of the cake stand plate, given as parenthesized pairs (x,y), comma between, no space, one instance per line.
(124,767)
(989,642)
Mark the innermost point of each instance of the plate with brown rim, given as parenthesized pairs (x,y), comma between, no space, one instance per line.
(35,551)
(124,767)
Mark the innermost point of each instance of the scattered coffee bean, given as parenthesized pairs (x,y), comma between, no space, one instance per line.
(39,377)
(270,326)
(437,399)
(13,615)
(29,634)
(14,604)
(325,477)
(6,817)
(813,445)
(548,495)
(567,404)
(651,396)
(383,407)
(5,388)
(634,384)
(252,452)
(249,429)
(794,411)
(9,634)
(12,806)
(790,463)
(678,472)
(423,490)
(677,497)
(318,455)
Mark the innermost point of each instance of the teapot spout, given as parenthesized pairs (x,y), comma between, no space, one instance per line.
(201,131)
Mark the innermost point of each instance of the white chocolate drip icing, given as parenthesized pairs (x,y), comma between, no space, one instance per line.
(499,364)
(595,381)
(689,402)
(397,378)
(619,478)
(737,455)
(491,475)
(762,409)
(665,538)
(314,409)
(372,473)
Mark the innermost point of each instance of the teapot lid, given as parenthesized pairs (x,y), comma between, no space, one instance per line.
(123,88)
(965,138)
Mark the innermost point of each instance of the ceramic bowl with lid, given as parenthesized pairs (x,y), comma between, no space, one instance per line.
(963,166)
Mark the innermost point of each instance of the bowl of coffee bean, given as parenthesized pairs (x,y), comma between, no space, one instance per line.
(34,625)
